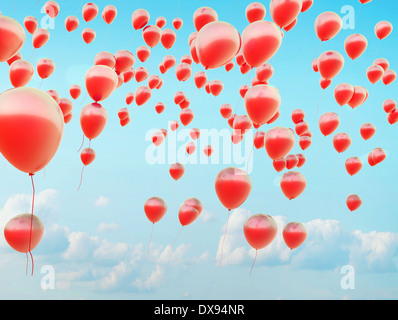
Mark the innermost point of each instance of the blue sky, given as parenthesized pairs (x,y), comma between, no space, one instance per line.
(96,239)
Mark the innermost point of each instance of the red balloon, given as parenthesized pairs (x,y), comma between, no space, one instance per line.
(389,77)
(291,161)
(186,116)
(353,165)
(71,23)
(45,68)
(68,118)
(183,71)
(262,102)
(353,202)
(33,121)
(158,138)
(328,123)
(109,14)
(187,215)
(90,11)
(216,87)
(376,156)
(330,63)
(325,83)
(30,24)
(51,8)
(293,184)
(101,82)
(66,106)
(383,29)
(374,73)
(176,171)
(53,94)
(88,35)
(151,35)
(259,139)
(367,131)
(260,41)
(301,127)
(279,165)
(194,133)
(40,37)
(305,142)
(123,113)
(129,98)
(264,72)
(226,110)
(139,18)
(229,66)
(216,44)
(18,56)
(255,11)
(24,232)
(327,25)
(75,91)
(389,105)
(169,62)
(301,160)
(105,58)
(161,22)
(290,26)
(208,150)
(358,97)
(195,203)
(12,38)
(307,4)
(279,142)
(142,95)
(168,38)
(155,208)
(203,16)
(297,116)
(141,74)
(343,93)
(87,156)
(233,187)
(284,12)
(190,147)
(177,23)
(20,73)
(200,79)
(124,60)
(355,45)
(382,63)
(341,142)
(242,124)
(143,53)
(294,234)
(93,118)
(174,125)
(260,230)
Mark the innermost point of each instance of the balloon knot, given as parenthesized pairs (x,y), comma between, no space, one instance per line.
(31,174)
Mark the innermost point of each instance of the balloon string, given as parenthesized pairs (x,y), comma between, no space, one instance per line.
(27,262)
(31,217)
(81,178)
(250,155)
(255,257)
(240,99)
(81,144)
(225,233)
(33,264)
(84,98)
(31,55)
(150,240)
(315,55)
(41,82)
(319,103)
(175,239)
(178,8)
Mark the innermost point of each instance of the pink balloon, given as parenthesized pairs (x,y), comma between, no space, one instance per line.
(260,41)
(216,44)
(51,8)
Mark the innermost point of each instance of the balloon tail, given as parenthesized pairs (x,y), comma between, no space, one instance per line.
(33,264)
(255,257)
(315,55)
(27,262)
(81,179)
(31,217)
(81,144)
(248,160)
(41,82)
(31,55)
(84,98)
(150,240)
(223,240)
(175,239)
(178,8)
(240,99)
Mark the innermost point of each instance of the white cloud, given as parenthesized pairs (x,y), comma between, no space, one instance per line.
(107,227)
(154,279)
(102,201)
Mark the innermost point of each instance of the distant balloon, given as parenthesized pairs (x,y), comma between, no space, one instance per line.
(177,170)
(327,25)
(293,184)
(294,234)
(155,208)
(353,202)
(279,142)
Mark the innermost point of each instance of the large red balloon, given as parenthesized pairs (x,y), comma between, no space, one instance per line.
(279,142)
(262,102)
(155,208)
(260,41)
(24,232)
(260,230)
(31,128)
(355,45)
(216,44)
(93,119)
(233,187)
(294,234)
(330,63)
(203,16)
(293,184)
(284,12)
(101,81)
(12,37)
(327,25)
(328,123)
